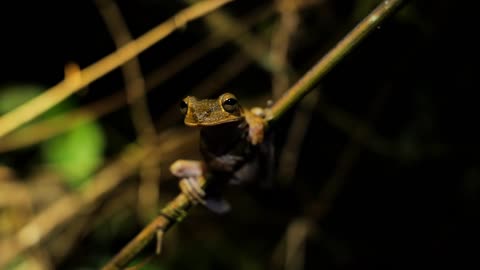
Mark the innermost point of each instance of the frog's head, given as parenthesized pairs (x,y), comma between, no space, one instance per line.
(211,112)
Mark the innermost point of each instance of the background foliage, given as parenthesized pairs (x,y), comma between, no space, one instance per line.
(385,173)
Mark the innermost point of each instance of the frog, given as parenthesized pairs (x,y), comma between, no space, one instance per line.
(235,147)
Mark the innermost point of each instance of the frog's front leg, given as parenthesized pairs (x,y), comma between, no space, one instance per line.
(255,119)
(190,172)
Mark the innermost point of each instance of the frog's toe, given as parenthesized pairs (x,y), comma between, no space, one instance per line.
(191,188)
(187,168)
(196,188)
(186,189)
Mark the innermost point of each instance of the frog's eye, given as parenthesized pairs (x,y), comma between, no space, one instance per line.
(230,104)
(183,106)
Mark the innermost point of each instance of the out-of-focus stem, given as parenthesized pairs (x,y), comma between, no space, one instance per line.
(306,83)
(67,87)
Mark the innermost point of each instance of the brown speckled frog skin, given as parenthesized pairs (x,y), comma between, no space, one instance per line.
(212,112)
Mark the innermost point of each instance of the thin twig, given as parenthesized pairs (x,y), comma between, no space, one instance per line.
(306,83)
(252,45)
(68,207)
(281,79)
(181,204)
(65,88)
(280,110)
(103,183)
(288,159)
(135,88)
(177,207)
(296,237)
(56,125)
(132,73)
(280,44)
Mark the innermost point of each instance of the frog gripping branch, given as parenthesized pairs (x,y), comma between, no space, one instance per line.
(232,145)
(233,141)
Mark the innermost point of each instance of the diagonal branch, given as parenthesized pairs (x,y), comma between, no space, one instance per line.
(132,73)
(324,65)
(55,125)
(33,108)
(141,119)
(300,89)
(178,208)
(108,179)
(68,207)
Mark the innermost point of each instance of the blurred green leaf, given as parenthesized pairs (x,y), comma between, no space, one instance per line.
(77,153)
(13,95)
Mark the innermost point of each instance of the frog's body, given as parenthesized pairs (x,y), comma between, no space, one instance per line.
(232,144)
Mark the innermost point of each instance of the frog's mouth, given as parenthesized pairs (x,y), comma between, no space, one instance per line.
(210,122)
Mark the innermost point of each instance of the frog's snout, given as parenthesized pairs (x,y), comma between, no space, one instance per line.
(202,116)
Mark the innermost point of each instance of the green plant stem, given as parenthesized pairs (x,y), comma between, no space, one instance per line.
(178,208)
(306,83)
(145,236)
